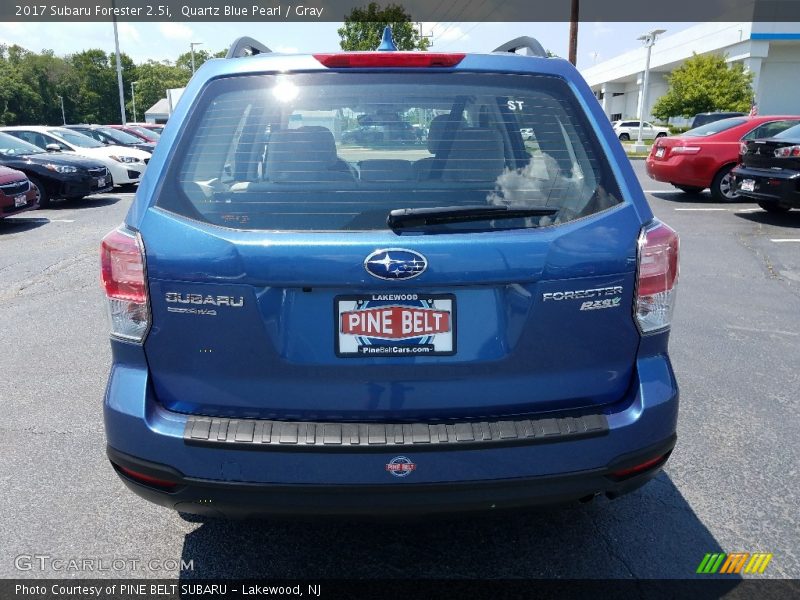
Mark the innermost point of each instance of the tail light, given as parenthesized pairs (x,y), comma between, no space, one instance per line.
(787,152)
(742,148)
(123,275)
(389,59)
(685,149)
(657,276)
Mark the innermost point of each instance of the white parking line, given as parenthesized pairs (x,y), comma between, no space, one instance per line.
(748,210)
(782,240)
(41,220)
(759,330)
(702,209)
(663,192)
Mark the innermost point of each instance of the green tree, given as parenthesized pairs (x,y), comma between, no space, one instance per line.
(20,101)
(155,78)
(363,28)
(95,97)
(705,83)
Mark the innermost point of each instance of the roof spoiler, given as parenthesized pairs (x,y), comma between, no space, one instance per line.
(246,46)
(531,44)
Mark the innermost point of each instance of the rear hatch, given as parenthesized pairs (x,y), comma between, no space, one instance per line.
(772,153)
(466,274)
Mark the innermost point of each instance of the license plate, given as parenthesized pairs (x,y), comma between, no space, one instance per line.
(20,201)
(748,185)
(101,182)
(660,152)
(403,324)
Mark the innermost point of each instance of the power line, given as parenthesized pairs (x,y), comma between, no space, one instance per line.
(479,22)
(456,21)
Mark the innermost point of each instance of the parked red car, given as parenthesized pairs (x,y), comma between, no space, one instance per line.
(17,194)
(142,133)
(155,127)
(703,157)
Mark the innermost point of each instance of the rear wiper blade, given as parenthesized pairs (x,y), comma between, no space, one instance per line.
(416,217)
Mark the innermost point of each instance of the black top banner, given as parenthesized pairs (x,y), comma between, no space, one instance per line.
(420,10)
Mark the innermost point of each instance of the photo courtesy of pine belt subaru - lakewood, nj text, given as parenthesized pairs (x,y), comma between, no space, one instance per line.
(306,322)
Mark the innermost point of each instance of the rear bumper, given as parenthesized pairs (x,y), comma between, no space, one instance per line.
(678,170)
(248,479)
(777,187)
(246,500)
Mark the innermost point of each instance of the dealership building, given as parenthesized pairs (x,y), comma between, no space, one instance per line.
(771,51)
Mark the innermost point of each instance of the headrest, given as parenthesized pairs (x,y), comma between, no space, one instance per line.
(437,129)
(475,155)
(300,154)
(386,170)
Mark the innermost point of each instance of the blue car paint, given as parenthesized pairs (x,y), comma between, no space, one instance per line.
(641,398)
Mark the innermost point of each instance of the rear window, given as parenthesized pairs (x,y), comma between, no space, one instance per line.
(715,127)
(793,133)
(340,151)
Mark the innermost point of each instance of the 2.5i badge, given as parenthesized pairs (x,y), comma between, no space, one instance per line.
(401,324)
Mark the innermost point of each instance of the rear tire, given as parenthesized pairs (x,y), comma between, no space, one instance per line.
(722,186)
(771,207)
(42,195)
(624,137)
(661,135)
(689,189)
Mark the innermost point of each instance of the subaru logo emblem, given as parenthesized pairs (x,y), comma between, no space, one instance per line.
(395,263)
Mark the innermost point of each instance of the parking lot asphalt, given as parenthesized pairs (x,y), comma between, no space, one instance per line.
(732,484)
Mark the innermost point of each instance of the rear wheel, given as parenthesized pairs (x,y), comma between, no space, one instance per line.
(772,207)
(42,195)
(624,137)
(689,189)
(660,135)
(722,185)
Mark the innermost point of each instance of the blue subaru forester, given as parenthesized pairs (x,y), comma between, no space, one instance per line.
(431,313)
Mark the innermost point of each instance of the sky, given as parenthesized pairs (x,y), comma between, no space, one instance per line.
(158,41)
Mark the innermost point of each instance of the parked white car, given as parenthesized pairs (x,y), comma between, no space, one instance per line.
(126,165)
(629,130)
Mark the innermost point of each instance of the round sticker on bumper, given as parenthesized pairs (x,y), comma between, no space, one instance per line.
(401,466)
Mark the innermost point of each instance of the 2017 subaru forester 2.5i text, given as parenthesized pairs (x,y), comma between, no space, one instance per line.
(472,320)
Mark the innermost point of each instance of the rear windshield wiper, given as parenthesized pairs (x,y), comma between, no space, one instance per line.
(416,217)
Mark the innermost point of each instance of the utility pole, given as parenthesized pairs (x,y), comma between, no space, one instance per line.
(573,32)
(192,45)
(119,69)
(63,117)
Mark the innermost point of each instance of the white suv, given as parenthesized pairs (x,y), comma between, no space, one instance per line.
(629,130)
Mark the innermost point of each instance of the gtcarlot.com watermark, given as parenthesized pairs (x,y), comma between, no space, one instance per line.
(96,564)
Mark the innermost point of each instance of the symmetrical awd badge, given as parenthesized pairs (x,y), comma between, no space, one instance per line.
(395,263)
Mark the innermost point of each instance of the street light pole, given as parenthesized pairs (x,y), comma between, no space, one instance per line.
(648,39)
(63,117)
(119,70)
(133,99)
(192,45)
